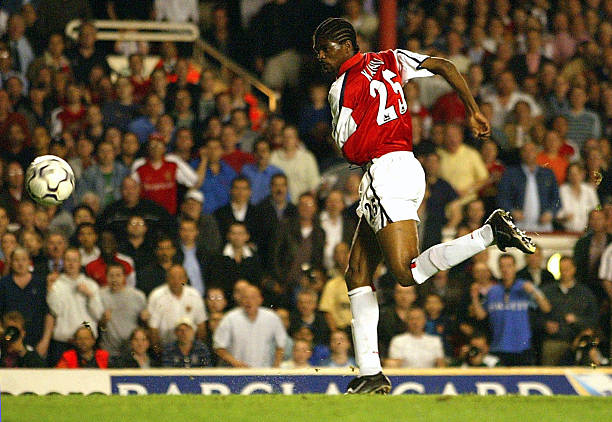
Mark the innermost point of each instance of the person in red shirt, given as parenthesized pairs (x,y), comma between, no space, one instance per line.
(160,173)
(73,115)
(371,124)
(96,269)
(85,354)
(231,154)
(552,158)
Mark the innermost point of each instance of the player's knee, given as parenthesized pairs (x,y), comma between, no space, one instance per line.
(403,274)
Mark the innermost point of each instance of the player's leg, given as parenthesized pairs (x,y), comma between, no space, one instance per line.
(364,258)
(399,244)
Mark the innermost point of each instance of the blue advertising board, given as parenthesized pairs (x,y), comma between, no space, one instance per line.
(334,384)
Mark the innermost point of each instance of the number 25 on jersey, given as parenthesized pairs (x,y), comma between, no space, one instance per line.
(387,114)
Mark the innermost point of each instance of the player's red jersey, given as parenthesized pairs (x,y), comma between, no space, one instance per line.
(369,111)
(159,184)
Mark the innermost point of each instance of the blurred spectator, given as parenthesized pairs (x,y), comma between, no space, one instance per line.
(297,163)
(85,354)
(534,271)
(250,336)
(307,315)
(209,238)
(194,258)
(394,316)
(85,55)
(123,306)
(552,158)
(242,127)
(140,353)
(186,351)
(19,46)
(519,127)
(215,300)
(138,245)
(153,274)
(172,301)
(216,176)
(530,192)
(300,240)
(577,199)
(301,353)
(231,154)
(505,99)
(104,177)
(84,156)
(588,251)
(583,124)
(438,322)
(315,122)
(13,190)
(237,261)
(573,308)
(339,346)
(556,102)
(176,10)
(270,212)
(74,299)
(461,165)
(161,173)
(507,306)
(261,172)
(585,351)
(120,112)
(476,354)
(109,253)
(53,15)
(16,353)
(144,126)
(115,215)
(275,57)
(239,208)
(415,348)
(337,227)
(227,38)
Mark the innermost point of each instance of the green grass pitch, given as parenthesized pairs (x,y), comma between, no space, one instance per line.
(311,408)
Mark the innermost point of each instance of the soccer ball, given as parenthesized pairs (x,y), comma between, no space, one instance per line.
(49,180)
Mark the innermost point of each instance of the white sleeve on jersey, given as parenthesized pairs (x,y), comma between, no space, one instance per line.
(409,65)
(343,124)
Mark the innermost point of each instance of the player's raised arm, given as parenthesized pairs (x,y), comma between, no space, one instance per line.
(445,68)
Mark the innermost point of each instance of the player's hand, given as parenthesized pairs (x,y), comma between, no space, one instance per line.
(480,125)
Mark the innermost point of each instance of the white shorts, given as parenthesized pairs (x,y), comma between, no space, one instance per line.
(391,189)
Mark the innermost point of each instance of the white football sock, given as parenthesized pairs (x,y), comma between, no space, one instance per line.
(448,254)
(364,308)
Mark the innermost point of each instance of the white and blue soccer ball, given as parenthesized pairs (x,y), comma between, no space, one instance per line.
(49,180)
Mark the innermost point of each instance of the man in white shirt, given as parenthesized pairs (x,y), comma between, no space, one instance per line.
(74,300)
(505,99)
(87,238)
(172,301)
(176,10)
(250,336)
(415,348)
(336,226)
(297,163)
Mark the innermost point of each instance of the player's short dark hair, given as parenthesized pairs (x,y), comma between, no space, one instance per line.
(338,30)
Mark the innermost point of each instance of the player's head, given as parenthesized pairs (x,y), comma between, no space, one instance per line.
(334,41)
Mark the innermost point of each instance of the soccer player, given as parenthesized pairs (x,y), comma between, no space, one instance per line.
(371,124)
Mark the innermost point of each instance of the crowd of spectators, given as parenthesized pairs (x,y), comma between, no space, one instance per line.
(206,230)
